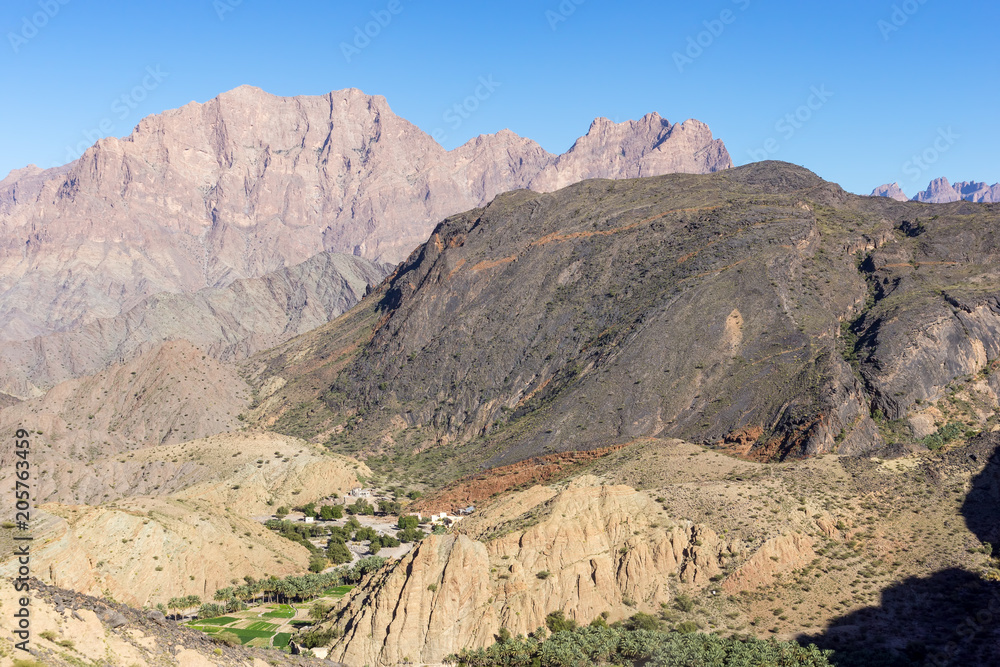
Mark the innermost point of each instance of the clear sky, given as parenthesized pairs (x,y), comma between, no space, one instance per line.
(852,90)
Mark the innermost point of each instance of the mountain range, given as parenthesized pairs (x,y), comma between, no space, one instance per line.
(940,191)
(670,395)
(249,183)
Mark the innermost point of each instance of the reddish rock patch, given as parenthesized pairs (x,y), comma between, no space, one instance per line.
(477,488)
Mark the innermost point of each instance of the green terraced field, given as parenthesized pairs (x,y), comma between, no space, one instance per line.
(283,611)
(338,592)
(262,625)
(282,638)
(221,620)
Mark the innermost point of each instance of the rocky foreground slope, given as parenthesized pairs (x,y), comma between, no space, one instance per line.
(761,308)
(80,629)
(249,183)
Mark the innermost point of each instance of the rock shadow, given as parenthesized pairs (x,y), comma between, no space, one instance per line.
(948,619)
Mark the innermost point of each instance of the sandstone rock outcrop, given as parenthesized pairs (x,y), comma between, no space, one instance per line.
(595,548)
(148,550)
(777,556)
(248,183)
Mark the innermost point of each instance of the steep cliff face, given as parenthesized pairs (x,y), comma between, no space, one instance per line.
(593,549)
(249,183)
(890,190)
(935,316)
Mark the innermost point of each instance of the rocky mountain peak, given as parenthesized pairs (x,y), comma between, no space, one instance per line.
(941,191)
(890,190)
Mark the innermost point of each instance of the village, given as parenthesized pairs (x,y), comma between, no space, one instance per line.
(347,535)
(365,521)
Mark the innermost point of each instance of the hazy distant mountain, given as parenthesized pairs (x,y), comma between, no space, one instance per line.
(248,183)
(940,191)
(227,323)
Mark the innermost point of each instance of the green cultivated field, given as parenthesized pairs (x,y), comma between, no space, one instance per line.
(221,620)
(283,611)
(262,626)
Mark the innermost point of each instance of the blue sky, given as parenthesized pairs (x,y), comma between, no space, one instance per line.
(852,90)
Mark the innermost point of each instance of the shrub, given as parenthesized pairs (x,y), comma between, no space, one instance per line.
(642,621)
(557,622)
(597,645)
(317,563)
(317,638)
(227,638)
(410,535)
(683,602)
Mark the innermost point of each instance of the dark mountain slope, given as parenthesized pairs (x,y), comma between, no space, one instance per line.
(761,308)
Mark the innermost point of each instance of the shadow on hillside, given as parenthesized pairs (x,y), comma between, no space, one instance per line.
(951,618)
